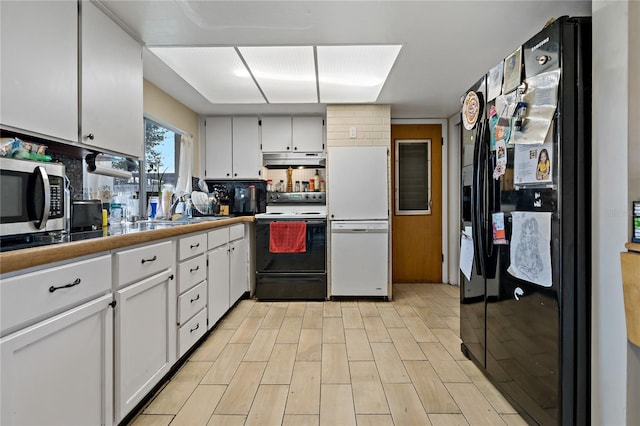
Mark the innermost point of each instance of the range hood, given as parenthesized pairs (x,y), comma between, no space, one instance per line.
(285,160)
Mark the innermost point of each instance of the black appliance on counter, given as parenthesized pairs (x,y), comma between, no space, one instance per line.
(239,195)
(531,336)
(292,276)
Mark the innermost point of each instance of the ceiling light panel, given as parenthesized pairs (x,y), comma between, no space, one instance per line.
(348,74)
(286,74)
(216,72)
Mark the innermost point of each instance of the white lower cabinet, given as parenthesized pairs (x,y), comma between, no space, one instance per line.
(145,339)
(218,280)
(239,270)
(60,370)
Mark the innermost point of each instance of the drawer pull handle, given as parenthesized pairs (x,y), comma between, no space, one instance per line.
(154,258)
(194,245)
(194,329)
(197,298)
(73,284)
(197,268)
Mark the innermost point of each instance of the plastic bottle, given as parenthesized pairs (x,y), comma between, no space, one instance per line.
(316,180)
(312,185)
(323,187)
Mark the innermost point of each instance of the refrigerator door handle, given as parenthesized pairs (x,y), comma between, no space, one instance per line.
(476,202)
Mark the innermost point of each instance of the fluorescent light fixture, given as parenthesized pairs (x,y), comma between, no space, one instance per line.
(286,74)
(216,72)
(349,74)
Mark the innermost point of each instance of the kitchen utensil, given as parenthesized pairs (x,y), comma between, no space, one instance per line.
(200,200)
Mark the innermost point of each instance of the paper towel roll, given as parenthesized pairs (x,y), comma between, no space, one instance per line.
(107,171)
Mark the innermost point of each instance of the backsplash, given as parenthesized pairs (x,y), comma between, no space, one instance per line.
(298,174)
(74,169)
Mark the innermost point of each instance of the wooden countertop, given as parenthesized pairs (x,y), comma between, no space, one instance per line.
(20,259)
(633,246)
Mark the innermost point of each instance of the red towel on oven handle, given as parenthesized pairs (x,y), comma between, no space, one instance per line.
(287,237)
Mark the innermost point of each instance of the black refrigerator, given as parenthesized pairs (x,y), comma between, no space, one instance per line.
(525,304)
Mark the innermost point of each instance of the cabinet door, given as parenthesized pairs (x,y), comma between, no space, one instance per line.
(239,266)
(218,281)
(145,338)
(111,85)
(276,134)
(247,157)
(218,139)
(308,134)
(39,74)
(60,371)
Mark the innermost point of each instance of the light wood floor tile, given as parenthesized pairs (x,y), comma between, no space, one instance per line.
(213,346)
(234,318)
(268,405)
(280,365)
(336,406)
(434,396)
(262,345)
(332,309)
(312,318)
(495,398)
(315,305)
(474,406)
(376,331)
(240,392)
(226,420)
(435,351)
(430,318)
(374,420)
(259,310)
(178,390)
(358,348)
(368,395)
(405,405)
(225,366)
(472,371)
(290,330)
(406,345)
(152,420)
(274,317)
(405,310)
(419,330)
(335,367)
(351,317)
(448,420)
(301,420)
(304,392)
(295,310)
(368,309)
(390,317)
(246,330)
(513,420)
(453,323)
(332,330)
(200,405)
(451,341)
(389,365)
(449,371)
(310,345)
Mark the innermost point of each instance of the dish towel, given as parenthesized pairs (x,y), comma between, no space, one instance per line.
(287,237)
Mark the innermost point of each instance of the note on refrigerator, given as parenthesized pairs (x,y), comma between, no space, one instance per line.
(466,252)
(530,247)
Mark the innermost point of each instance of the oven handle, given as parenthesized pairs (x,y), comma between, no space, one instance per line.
(308,222)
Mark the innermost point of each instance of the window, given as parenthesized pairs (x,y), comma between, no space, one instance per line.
(161,155)
(413,176)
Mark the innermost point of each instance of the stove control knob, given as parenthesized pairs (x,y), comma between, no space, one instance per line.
(306,196)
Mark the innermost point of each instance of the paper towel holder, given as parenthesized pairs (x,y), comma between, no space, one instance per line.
(90,159)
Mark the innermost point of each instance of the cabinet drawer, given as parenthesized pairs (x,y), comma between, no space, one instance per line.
(236,232)
(34,296)
(191,272)
(191,246)
(191,302)
(218,237)
(135,264)
(193,330)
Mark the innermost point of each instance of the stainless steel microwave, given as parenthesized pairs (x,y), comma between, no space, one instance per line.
(32,197)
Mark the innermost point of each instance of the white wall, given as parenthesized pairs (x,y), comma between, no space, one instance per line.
(454,199)
(609,209)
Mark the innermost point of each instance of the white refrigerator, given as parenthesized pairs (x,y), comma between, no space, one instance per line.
(358,203)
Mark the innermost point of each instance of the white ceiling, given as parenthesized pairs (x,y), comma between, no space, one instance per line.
(448,45)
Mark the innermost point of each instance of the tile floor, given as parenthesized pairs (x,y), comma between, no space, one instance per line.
(334,363)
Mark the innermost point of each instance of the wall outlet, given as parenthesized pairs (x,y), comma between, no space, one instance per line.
(352,132)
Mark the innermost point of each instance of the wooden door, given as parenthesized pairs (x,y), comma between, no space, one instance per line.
(417,237)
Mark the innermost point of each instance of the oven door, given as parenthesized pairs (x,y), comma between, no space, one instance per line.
(313,260)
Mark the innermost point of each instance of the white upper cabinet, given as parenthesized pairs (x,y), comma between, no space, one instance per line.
(232,149)
(39,71)
(293,134)
(308,134)
(276,134)
(111,85)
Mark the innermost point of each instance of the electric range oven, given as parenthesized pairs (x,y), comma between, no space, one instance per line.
(299,274)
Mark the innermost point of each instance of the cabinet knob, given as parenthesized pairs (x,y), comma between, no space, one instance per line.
(90,136)
(227,174)
(235,174)
(287,147)
(295,148)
